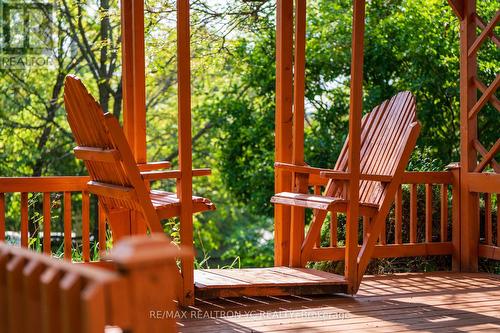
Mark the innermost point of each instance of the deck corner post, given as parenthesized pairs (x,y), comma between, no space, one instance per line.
(354,163)
(300,181)
(134,77)
(455,216)
(283,130)
(134,90)
(147,264)
(185,182)
(469,201)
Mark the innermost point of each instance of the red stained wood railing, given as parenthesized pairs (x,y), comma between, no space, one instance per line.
(398,216)
(24,219)
(27,186)
(428,213)
(67,226)
(431,239)
(86,226)
(488,225)
(47,246)
(413,213)
(444,212)
(333,229)
(488,248)
(2,216)
(40,293)
(436,240)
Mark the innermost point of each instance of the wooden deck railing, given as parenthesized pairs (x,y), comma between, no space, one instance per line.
(430,238)
(488,248)
(40,293)
(429,230)
(69,186)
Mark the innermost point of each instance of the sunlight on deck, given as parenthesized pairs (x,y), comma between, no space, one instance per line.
(430,302)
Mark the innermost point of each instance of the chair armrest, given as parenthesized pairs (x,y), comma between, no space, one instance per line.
(152,166)
(299,168)
(342,175)
(172,174)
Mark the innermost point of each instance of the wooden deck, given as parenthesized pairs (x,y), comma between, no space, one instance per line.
(428,302)
(274,281)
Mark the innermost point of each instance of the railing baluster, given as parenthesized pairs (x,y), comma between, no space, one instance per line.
(4,318)
(102,229)
(70,303)
(413,213)
(24,220)
(31,295)
(14,294)
(93,309)
(488,226)
(428,213)
(86,226)
(38,293)
(455,216)
(47,247)
(398,227)
(67,226)
(2,216)
(317,191)
(498,220)
(444,212)
(333,229)
(51,302)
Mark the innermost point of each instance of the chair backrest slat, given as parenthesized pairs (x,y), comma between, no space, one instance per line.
(97,154)
(383,133)
(109,160)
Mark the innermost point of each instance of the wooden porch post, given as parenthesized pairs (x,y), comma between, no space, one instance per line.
(283,131)
(300,182)
(468,132)
(355,113)
(184,183)
(134,77)
(134,95)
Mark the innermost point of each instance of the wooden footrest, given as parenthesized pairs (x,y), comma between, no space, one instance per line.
(274,281)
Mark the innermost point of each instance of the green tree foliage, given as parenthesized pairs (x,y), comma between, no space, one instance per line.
(410,45)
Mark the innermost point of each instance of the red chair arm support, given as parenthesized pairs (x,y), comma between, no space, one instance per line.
(172,174)
(152,166)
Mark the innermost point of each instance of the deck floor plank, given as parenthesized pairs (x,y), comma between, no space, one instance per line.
(211,283)
(420,302)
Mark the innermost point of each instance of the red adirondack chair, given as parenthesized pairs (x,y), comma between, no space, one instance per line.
(116,178)
(389,134)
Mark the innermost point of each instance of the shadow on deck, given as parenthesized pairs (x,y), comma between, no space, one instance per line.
(423,302)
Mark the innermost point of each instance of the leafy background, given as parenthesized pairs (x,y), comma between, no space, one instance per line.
(410,45)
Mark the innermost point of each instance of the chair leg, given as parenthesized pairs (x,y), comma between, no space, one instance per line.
(138,224)
(312,234)
(297,237)
(120,223)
